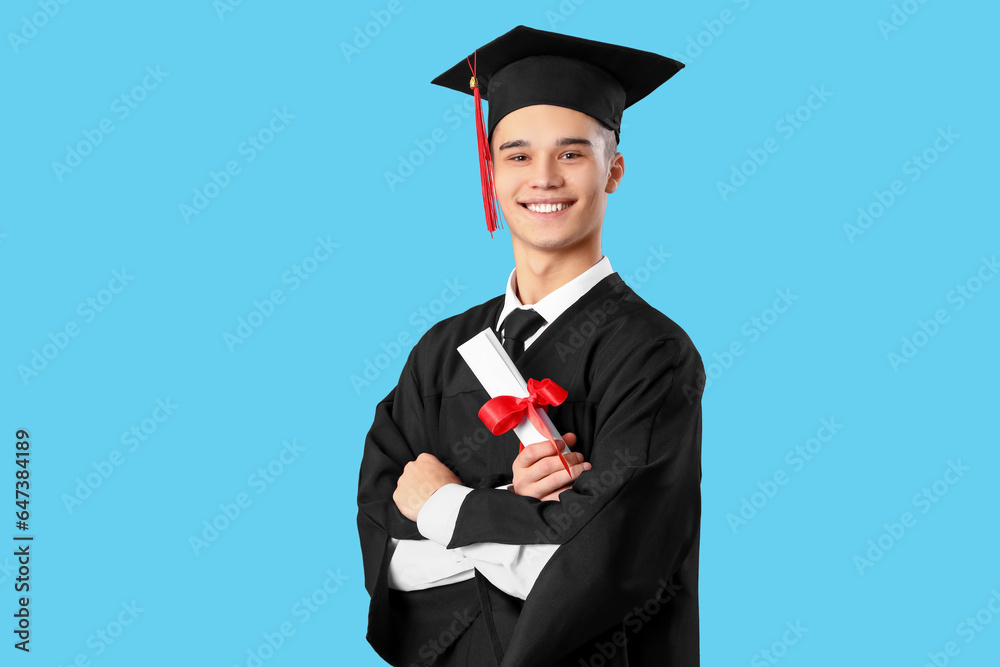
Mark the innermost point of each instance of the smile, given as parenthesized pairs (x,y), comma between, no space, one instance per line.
(546,208)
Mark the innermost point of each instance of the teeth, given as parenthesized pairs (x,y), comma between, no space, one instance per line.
(546,208)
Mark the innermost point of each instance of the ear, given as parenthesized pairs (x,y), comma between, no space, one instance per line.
(615,173)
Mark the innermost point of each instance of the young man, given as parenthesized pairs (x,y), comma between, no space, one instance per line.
(474,553)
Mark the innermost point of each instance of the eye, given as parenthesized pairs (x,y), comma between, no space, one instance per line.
(518,158)
(570,155)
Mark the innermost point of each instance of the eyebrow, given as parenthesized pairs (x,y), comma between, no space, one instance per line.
(565,141)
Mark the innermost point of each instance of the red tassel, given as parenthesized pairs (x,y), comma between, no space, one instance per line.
(490,203)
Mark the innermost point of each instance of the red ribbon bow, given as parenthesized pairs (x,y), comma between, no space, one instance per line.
(502,413)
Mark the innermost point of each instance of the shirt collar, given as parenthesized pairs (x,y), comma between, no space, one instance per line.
(555,303)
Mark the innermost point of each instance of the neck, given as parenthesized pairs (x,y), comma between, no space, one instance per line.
(541,273)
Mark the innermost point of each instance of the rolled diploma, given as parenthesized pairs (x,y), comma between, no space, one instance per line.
(500,377)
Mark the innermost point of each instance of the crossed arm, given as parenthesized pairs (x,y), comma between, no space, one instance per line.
(537,473)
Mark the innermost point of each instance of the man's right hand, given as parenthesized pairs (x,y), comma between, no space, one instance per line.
(539,473)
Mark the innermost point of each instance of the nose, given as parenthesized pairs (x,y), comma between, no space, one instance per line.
(545,174)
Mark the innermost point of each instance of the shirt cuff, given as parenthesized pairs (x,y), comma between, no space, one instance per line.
(419,564)
(436,519)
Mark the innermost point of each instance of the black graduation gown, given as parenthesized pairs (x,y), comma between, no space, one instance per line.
(622,588)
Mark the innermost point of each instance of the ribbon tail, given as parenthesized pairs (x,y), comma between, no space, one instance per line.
(540,426)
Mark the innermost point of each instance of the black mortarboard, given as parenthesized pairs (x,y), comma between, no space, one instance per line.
(524,67)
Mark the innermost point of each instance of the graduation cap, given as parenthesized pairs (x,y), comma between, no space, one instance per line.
(525,67)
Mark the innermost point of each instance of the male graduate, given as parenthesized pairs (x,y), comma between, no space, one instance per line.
(476,553)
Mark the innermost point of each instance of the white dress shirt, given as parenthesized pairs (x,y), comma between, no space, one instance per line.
(513,568)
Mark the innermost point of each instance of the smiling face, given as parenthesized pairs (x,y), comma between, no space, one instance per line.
(553,171)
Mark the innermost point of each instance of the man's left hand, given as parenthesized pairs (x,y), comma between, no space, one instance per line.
(539,473)
(420,479)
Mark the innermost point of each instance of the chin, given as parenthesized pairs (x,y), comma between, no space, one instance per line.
(550,244)
(549,241)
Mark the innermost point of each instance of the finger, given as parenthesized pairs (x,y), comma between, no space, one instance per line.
(541,478)
(533,453)
(551,464)
(552,492)
(575,471)
(556,480)
(573,458)
(570,439)
(545,467)
(547,488)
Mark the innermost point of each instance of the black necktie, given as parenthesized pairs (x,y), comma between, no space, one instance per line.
(518,327)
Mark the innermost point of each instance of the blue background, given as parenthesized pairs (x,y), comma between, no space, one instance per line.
(350,115)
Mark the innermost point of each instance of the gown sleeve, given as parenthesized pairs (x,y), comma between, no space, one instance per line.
(392,441)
